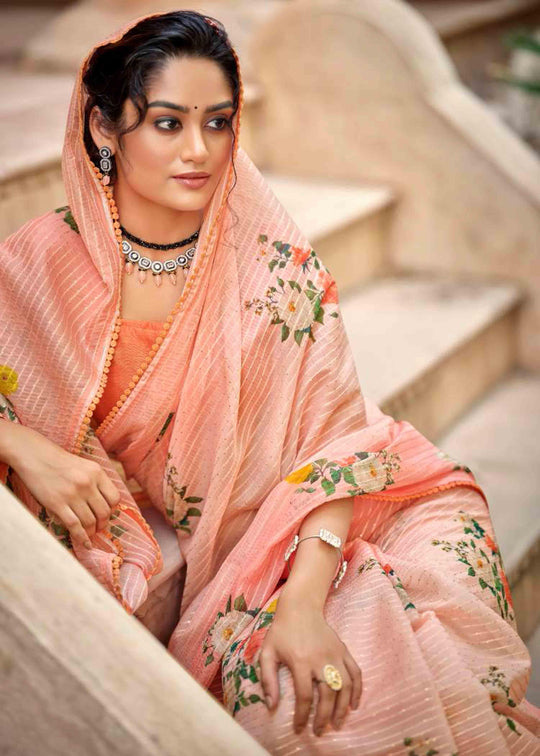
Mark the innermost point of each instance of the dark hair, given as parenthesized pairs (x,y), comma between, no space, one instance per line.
(126,69)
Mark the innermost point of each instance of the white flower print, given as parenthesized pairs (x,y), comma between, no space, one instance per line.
(227,628)
(369,474)
(296,309)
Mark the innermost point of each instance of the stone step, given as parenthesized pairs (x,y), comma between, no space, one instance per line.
(33,110)
(347,223)
(473,33)
(453,17)
(427,346)
(20,23)
(498,439)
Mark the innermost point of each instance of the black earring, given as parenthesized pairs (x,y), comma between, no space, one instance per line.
(105,164)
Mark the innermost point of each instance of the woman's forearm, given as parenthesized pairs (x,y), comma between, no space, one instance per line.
(315,562)
(8,435)
(15,442)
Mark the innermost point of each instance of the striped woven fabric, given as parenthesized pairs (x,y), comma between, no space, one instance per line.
(248,416)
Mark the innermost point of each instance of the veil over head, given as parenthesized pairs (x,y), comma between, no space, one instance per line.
(248,415)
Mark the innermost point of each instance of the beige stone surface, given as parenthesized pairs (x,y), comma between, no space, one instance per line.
(18,23)
(81,676)
(399,327)
(33,111)
(65,40)
(380,101)
(339,219)
(474,35)
(453,17)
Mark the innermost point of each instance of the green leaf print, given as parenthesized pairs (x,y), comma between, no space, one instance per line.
(68,217)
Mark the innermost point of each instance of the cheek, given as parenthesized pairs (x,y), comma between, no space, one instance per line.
(224,152)
(147,153)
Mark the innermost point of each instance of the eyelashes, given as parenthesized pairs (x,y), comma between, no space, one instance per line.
(224,123)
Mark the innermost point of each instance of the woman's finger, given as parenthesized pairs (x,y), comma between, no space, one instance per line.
(108,489)
(269,676)
(325,706)
(356,676)
(99,506)
(72,522)
(343,699)
(85,515)
(303,690)
(329,699)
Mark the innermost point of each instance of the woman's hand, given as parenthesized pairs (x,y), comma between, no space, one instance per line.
(300,637)
(76,489)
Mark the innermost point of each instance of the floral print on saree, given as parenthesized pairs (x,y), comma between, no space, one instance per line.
(365,471)
(293,306)
(482,558)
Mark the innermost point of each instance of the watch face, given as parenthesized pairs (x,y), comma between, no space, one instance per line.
(329,537)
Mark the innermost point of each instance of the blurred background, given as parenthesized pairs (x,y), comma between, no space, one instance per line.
(404,139)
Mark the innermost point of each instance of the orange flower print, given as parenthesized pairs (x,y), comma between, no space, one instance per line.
(327,283)
(253,645)
(491,544)
(504,581)
(346,461)
(387,568)
(480,554)
(300,255)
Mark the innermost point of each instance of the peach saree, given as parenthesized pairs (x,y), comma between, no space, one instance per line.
(246,415)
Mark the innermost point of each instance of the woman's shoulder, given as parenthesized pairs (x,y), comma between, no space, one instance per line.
(55,224)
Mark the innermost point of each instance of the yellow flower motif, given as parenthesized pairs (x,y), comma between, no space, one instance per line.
(300,475)
(271,608)
(8,380)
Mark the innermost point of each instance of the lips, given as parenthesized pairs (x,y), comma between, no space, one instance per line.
(192,183)
(192,175)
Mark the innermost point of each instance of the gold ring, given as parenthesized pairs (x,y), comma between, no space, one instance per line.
(332,677)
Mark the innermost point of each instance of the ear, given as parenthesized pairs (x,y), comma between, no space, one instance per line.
(101,137)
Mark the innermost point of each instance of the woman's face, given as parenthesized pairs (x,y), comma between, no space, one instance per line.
(170,141)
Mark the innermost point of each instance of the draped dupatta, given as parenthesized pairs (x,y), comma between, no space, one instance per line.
(249,414)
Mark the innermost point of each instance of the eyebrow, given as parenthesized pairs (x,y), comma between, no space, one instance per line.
(184,109)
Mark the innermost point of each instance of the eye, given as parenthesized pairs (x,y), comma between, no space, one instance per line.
(165,120)
(224,122)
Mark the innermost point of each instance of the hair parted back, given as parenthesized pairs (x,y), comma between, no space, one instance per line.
(127,68)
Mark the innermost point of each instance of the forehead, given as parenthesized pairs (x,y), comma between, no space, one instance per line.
(190,81)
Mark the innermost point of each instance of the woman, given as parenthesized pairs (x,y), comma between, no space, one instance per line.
(218,374)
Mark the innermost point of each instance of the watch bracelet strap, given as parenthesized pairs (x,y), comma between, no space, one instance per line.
(342,566)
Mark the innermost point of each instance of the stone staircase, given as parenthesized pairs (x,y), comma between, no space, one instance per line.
(437,285)
(473,34)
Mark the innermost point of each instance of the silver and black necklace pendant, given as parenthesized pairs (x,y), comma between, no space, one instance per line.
(156,267)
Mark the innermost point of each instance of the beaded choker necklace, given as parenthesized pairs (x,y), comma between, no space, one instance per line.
(157,267)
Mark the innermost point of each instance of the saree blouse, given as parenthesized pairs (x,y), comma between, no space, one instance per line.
(135,339)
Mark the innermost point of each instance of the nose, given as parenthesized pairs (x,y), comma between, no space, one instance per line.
(193,145)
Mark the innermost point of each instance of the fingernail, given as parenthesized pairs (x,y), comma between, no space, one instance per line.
(269,701)
(88,544)
(339,723)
